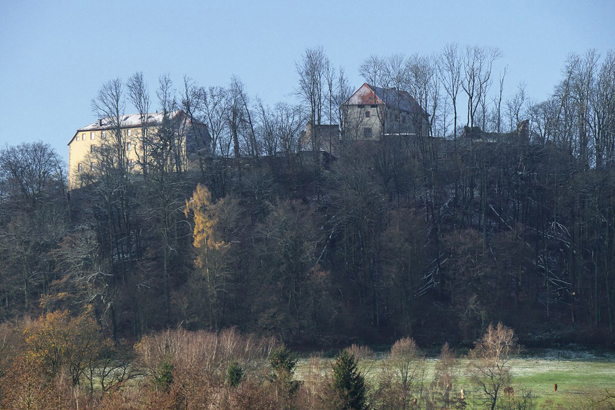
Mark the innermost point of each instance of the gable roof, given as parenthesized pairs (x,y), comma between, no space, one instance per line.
(370,95)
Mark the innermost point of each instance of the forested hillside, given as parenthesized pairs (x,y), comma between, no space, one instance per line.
(434,236)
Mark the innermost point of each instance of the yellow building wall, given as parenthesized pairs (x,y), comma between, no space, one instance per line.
(80,148)
(355,122)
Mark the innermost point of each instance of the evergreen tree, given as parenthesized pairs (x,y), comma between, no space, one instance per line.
(234,374)
(348,382)
(164,379)
(283,363)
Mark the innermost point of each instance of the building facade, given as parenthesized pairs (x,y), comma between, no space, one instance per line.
(320,138)
(371,113)
(135,142)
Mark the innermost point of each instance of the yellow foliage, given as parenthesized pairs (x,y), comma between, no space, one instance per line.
(211,249)
(57,341)
(205,216)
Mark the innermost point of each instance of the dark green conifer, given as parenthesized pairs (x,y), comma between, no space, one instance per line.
(234,374)
(348,382)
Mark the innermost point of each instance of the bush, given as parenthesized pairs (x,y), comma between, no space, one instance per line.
(283,359)
(234,374)
(164,379)
(203,353)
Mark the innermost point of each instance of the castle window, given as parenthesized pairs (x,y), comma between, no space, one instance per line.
(128,146)
(91,135)
(131,162)
(91,166)
(83,136)
(92,148)
(129,133)
(367,132)
(79,167)
(367,114)
(103,134)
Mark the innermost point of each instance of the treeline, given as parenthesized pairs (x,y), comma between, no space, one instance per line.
(59,362)
(427,237)
(64,362)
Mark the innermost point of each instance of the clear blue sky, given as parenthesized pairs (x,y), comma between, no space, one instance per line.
(55,54)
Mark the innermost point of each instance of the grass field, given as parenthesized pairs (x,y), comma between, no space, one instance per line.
(575,378)
(578,375)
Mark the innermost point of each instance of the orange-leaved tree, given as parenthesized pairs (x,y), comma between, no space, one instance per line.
(64,343)
(211,250)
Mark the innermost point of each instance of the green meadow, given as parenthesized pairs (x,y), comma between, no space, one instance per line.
(579,376)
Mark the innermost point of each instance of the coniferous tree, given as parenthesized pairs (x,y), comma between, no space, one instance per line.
(349,383)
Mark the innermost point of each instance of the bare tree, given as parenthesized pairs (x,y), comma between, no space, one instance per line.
(112,196)
(166,93)
(330,75)
(290,121)
(372,70)
(239,119)
(497,102)
(449,69)
(109,105)
(515,106)
(489,367)
(238,89)
(169,143)
(215,110)
(396,72)
(343,92)
(198,139)
(422,83)
(476,81)
(266,130)
(138,95)
(603,102)
(32,216)
(29,170)
(280,127)
(312,70)
(542,117)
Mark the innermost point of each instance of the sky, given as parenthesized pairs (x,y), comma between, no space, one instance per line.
(56,55)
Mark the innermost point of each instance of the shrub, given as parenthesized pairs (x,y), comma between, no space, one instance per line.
(164,378)
(234,374)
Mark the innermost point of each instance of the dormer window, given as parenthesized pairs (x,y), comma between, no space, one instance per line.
(367,114)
